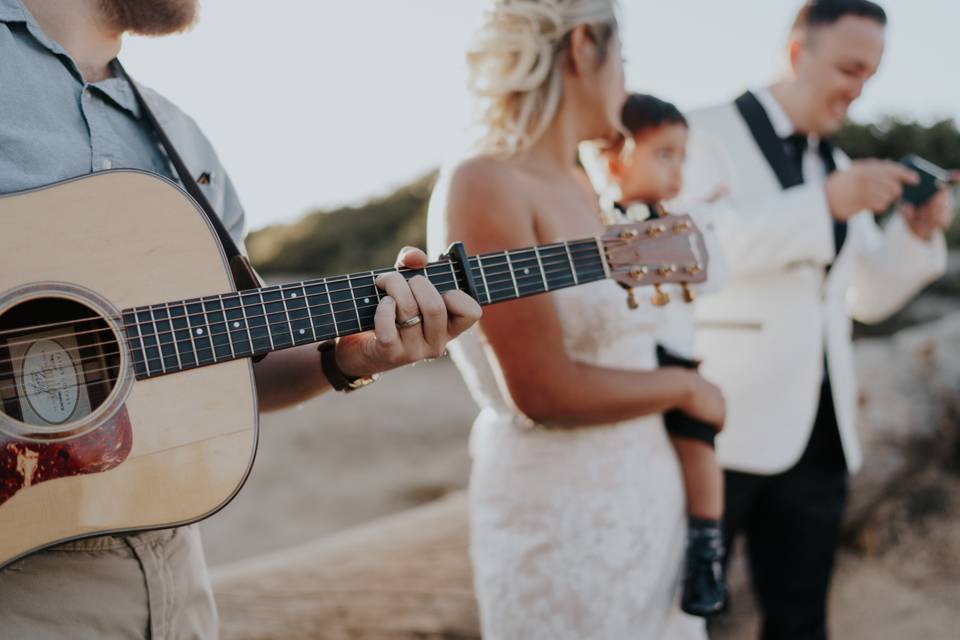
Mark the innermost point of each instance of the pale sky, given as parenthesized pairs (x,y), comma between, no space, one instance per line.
(322,103)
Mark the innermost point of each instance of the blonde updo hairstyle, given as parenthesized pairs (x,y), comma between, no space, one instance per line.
(516,64)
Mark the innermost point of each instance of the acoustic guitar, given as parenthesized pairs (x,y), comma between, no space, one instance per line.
(127,398)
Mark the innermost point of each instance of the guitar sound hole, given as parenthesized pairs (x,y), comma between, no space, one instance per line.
(59,361)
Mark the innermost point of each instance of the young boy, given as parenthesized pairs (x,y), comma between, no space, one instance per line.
(647,170)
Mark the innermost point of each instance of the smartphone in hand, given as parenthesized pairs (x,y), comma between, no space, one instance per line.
(932,178)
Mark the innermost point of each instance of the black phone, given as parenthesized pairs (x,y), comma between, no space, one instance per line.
(932,178)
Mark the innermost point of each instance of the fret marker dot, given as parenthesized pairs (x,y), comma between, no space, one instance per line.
(199,332)
(526,271)
(293,295)
(236,324)
(366,301)
(302,331)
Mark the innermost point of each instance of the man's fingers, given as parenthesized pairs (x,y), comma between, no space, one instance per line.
(901,174)
(395,286)
(462,312)
(433,311)
(411,258)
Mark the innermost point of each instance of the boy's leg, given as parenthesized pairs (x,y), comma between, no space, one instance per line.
(704,585)
(702,478)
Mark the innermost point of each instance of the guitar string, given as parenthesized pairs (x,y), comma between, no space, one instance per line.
(159,359)
(507,282)
(507,285)
(290,287)
(287,287)
(440,267)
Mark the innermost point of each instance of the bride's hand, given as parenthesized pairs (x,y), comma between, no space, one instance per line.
(705,402)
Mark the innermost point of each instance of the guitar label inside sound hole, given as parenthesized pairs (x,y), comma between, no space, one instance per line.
(59,361)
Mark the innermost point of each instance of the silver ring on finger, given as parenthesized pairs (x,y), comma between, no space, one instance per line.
(410,322)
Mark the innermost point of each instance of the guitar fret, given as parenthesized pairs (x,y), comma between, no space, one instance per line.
(573,269)
(274,305)
(512,276)
(483,277)
(345,312)
(226,321)
(149,338)
(286,312)
(317,299)
(173,334)
(130,319)
(165,338)
(199,333)
(246,324)
(266,321)
(240,339)
(453,272)
(543,275)
(333,315)
(260,338)
(186,350)
(156,333)
(369,292)
(217,331)
(306,302)
(299,314)
(353,298)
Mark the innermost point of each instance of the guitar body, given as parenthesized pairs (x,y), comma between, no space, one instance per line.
(85,447)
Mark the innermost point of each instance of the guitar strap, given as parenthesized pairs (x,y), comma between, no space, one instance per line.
(241,270)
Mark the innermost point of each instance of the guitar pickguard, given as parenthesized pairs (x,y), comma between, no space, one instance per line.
(24,463)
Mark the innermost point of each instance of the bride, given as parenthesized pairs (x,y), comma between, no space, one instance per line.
(577,504)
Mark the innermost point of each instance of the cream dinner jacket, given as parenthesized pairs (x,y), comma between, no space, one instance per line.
(763,335)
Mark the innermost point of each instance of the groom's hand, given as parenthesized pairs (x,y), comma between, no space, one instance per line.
(399,338)
(935,214)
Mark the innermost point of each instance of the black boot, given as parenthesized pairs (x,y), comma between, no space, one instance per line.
(704,584)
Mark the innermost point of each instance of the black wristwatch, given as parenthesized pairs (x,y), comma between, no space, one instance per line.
(337,378)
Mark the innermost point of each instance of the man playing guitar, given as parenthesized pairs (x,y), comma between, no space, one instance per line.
(65,115)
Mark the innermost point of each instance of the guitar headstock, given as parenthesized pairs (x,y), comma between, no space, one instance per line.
(667,250)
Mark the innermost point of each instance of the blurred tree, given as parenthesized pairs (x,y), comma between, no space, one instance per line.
(348,239)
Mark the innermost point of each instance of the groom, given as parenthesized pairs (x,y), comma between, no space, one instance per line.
(805,255)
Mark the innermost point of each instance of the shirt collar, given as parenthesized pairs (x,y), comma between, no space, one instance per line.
(119,92)
(12,11)
(781,122)
(116,89)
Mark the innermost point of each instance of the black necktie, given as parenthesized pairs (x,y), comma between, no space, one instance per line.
(796,146)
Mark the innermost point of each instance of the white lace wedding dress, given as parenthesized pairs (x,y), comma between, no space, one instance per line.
(577,533)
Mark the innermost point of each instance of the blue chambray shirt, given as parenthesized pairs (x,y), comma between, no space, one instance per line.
(54,126)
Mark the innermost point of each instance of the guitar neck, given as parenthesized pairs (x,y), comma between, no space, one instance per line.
(176,336)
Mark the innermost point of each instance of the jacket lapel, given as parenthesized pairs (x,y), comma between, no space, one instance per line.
(771,146)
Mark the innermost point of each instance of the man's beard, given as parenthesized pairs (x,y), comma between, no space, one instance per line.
(149,17)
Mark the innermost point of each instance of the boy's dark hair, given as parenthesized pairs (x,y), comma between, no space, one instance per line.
(641,112)
(821,13)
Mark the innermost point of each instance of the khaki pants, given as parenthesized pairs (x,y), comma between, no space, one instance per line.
(151,585)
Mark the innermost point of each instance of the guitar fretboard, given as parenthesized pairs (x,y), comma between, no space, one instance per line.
(176,336)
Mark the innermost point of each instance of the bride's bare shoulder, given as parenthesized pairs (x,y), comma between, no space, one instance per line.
(488,183)
(487,172)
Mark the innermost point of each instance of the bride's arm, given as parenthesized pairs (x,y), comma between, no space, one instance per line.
(488,212)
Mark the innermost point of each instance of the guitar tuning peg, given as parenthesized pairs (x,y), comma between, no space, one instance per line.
(631,300)
(687,294)
(660,297)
